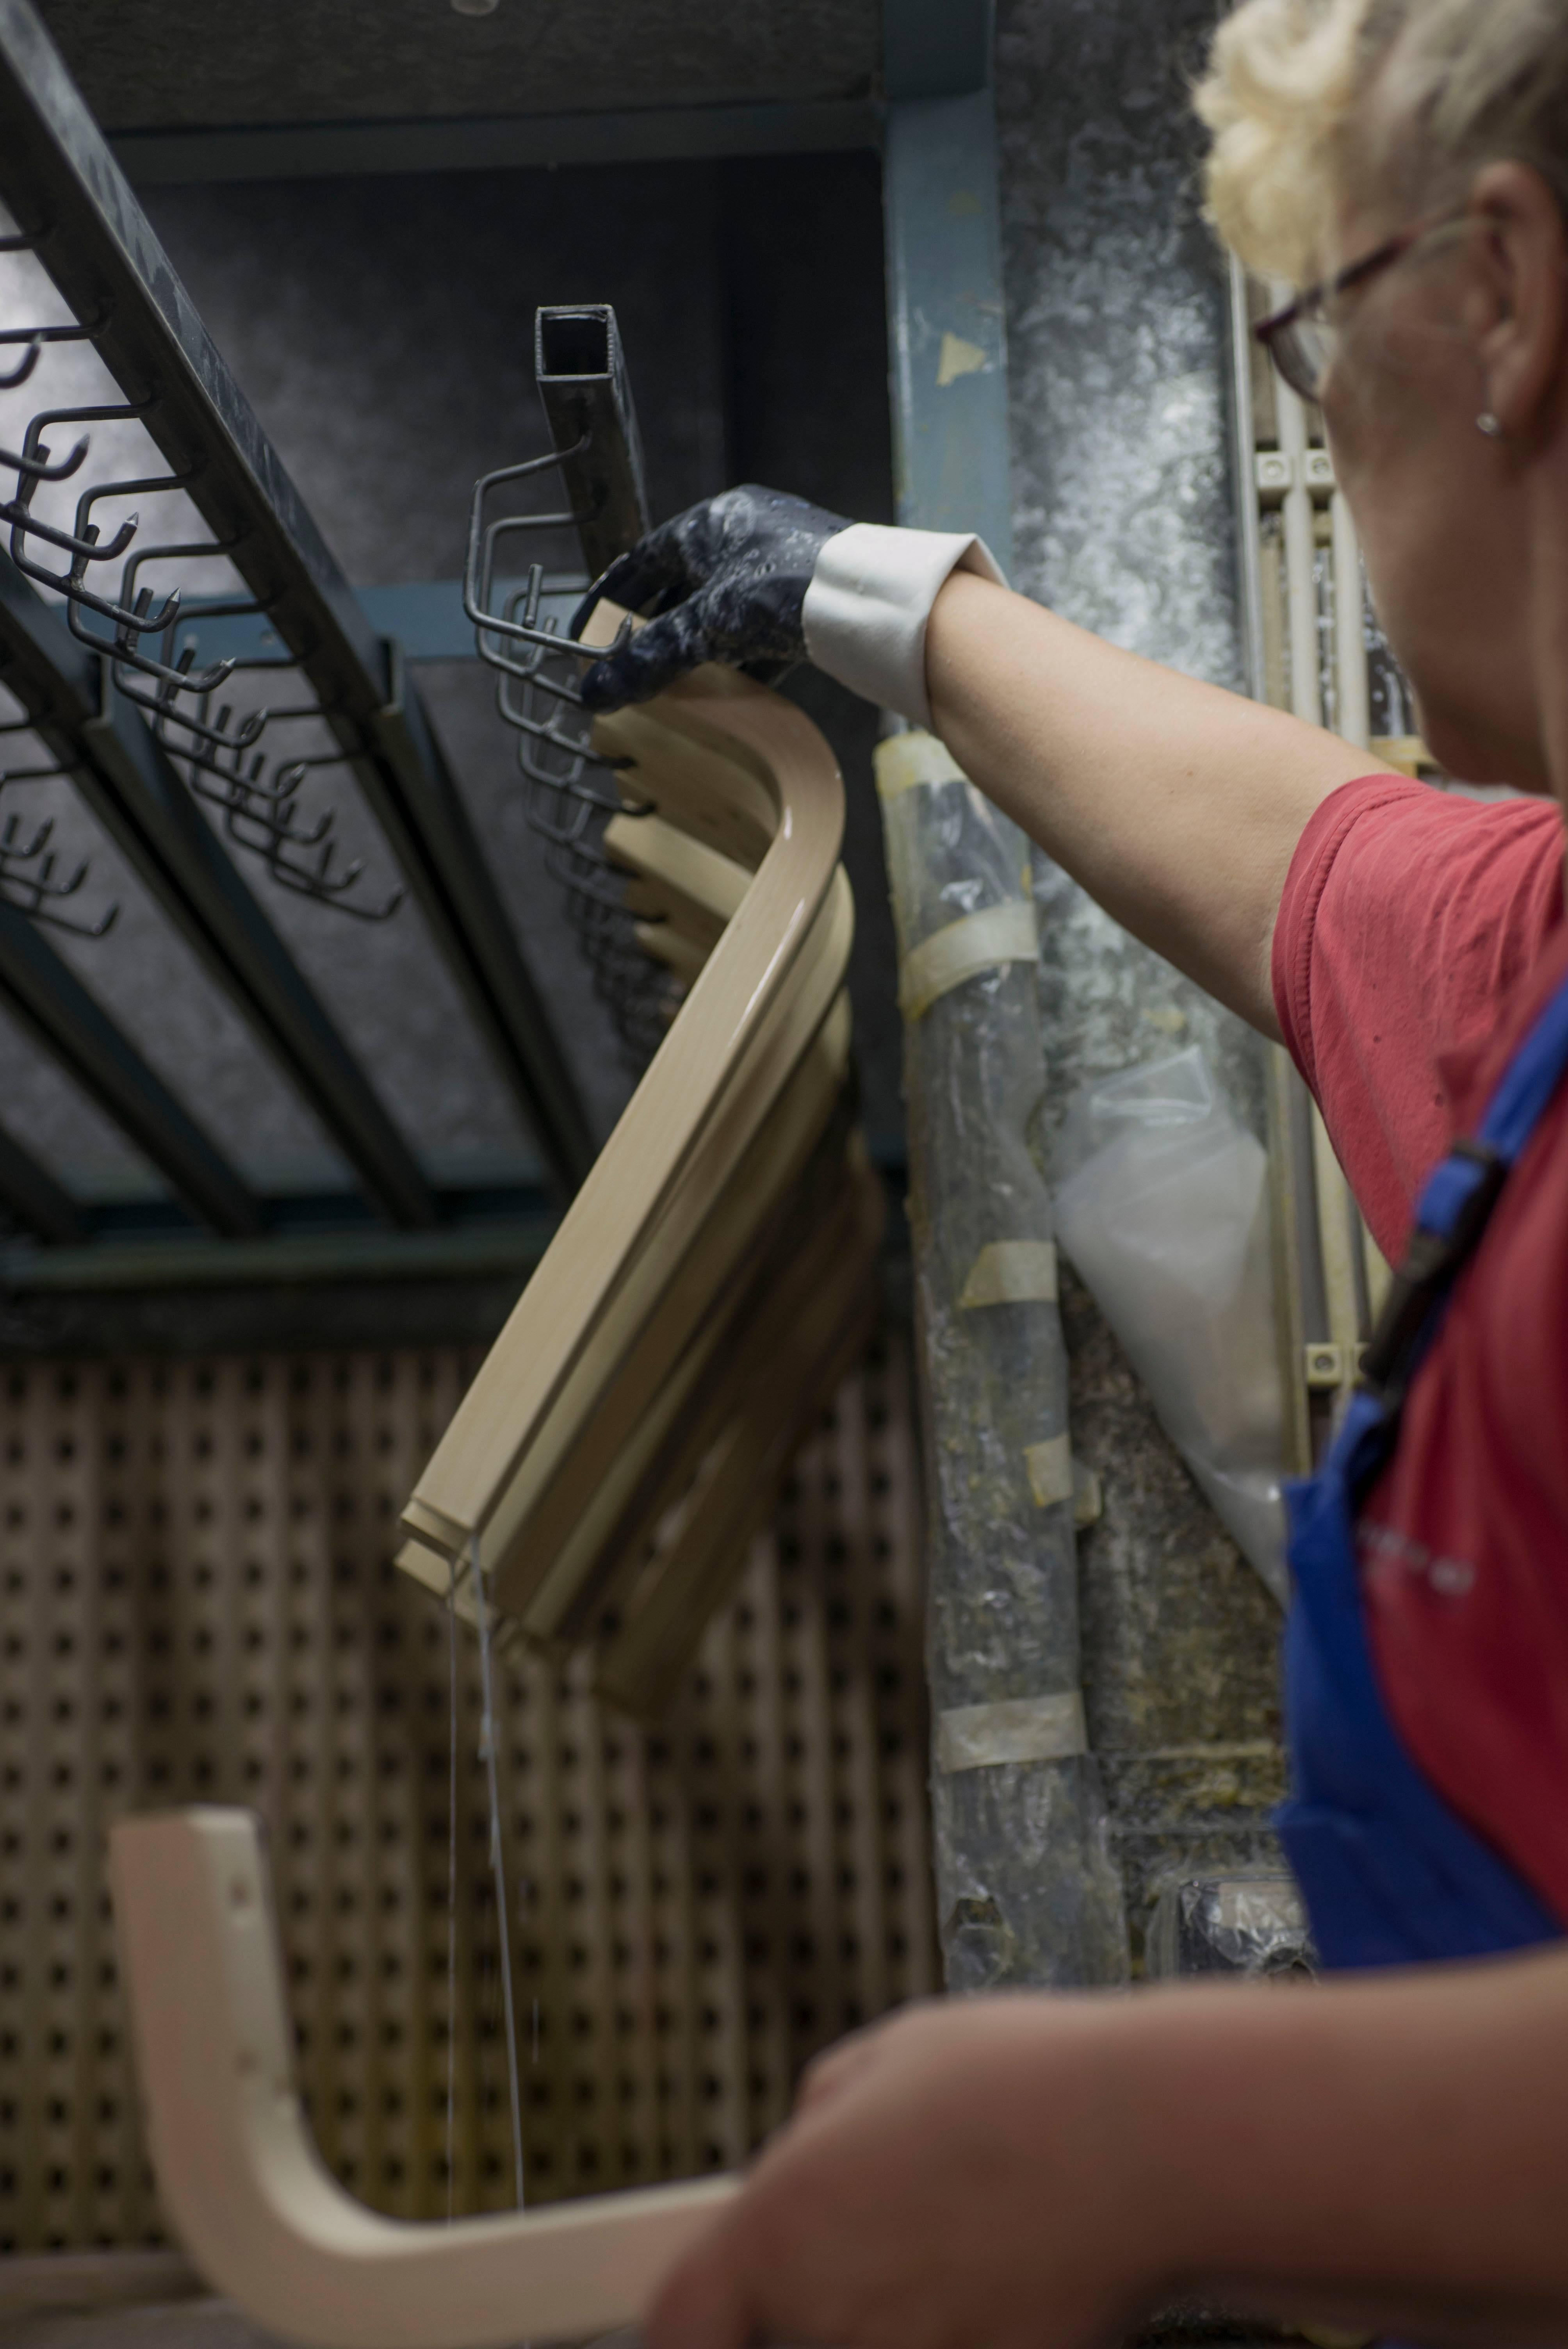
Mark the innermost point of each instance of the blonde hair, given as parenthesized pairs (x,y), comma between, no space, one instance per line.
(1312,102)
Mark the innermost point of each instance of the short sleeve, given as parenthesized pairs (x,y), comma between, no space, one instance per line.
(1408,919)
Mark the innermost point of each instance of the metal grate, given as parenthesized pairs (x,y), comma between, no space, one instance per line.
(198,1604)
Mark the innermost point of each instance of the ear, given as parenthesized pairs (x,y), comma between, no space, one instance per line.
(1518,295)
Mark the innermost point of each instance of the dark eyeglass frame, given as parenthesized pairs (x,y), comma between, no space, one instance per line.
(1280,333)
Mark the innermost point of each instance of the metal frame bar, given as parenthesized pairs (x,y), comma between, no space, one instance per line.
(30,1193)
(61,183)
(271,151)
(131,787)
(1328,1274)
(944,282)
(936,48)
(49,998)
(580,371)
(178,1265)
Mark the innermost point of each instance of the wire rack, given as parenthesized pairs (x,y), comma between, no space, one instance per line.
(570,792)
(247,762)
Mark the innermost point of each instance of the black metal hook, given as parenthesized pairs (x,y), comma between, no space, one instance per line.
(34,893)
(34,351)
(40,468)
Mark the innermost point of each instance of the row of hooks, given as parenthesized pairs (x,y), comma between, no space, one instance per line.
(570,791)
(216,750)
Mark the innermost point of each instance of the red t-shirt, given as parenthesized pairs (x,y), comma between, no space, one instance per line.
(1419,934)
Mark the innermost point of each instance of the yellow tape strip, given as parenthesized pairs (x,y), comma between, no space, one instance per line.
(905,760)
(1050,1467)
(1000,934)
(1012,1272)
(1021,1729)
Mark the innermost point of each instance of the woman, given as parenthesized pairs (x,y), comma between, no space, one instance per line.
(1392,2150)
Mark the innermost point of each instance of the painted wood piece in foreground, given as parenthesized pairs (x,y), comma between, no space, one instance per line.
(239,2177)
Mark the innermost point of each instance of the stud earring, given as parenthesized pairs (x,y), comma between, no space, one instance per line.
(1487,422)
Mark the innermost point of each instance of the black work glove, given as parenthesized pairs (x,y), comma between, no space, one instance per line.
(724,581)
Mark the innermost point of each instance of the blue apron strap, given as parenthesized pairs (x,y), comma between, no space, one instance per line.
(1391,1874)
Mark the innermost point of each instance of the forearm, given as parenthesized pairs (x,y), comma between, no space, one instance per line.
(1387,2153)
(1176,806)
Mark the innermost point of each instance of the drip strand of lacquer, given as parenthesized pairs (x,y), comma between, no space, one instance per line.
(498,1865)
(452,1894)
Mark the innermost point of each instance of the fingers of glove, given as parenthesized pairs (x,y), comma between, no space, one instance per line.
(656,567)
(646,660)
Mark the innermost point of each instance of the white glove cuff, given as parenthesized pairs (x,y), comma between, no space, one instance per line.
(869,601)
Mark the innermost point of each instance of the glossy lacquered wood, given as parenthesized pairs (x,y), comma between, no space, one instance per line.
(736,874)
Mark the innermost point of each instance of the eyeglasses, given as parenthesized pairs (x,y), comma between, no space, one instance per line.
(1302,340)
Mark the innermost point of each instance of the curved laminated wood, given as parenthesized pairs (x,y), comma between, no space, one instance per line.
(750,1411)
(623,1436)
(676,879)
(655,1282)
(559,1515)
(796,1254)
(241,2179)
(750,1016)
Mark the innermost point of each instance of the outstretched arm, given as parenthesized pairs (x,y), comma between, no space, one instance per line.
(1176,804)
(1041,2172)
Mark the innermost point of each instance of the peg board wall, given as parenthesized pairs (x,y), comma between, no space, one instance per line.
(196,1604)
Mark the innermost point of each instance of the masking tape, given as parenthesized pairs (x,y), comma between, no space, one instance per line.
(999,934)
(1012,1272)
(905,760)
(1089,1500)
(1050,1467)
(1020,1729)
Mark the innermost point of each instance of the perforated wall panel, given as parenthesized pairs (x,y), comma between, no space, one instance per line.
(197,1604)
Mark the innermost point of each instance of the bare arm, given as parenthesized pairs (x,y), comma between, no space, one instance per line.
(1042,2172)
(1176,806)
(1395,2149)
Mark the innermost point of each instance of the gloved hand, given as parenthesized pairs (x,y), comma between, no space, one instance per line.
(724,581)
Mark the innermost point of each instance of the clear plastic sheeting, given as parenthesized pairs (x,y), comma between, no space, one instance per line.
(1242,1924)
(1028,1889)
(1163,1207)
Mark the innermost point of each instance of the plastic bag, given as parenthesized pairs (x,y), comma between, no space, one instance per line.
(1163,1208)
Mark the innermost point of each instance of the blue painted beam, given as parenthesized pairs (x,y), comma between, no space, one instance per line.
(946,320)
(935,48)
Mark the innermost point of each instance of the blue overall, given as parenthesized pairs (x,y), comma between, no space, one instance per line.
(1390,1874)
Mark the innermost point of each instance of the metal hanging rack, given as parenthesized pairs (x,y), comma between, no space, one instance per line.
(350,705)
(218,758)
(571,792)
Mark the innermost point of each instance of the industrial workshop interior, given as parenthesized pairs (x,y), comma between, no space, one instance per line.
(437,1796)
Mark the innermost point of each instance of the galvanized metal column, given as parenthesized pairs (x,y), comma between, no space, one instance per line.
(1026,1894)
(1120,373)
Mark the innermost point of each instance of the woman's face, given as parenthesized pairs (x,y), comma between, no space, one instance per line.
(1437,502)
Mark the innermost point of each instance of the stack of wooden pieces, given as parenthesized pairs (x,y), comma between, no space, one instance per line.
(714,1278)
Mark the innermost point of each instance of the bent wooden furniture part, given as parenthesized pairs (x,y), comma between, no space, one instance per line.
(239,2177)
(707,1290)
(596,1407)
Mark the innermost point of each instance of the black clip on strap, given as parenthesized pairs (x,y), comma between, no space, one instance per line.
(1433,1261)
